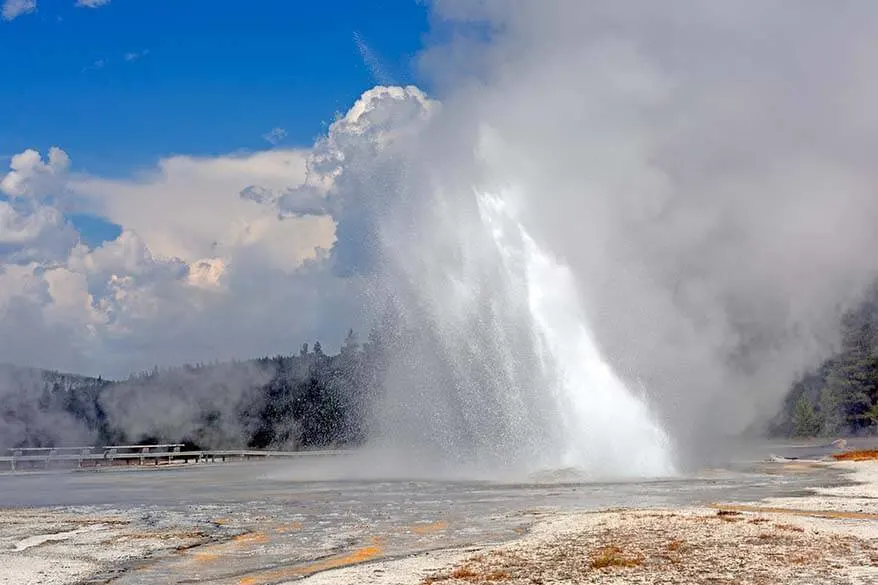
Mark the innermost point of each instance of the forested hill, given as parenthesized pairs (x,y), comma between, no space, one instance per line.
(306,400)
(841,396)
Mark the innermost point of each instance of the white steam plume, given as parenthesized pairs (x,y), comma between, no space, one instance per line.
(704,168)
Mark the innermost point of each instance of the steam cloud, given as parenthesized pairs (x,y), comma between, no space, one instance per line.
(703,169)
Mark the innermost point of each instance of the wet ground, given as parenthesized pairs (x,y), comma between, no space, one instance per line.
(274,522)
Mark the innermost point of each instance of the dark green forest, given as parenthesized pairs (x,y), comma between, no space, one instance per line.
(840,397)
(310,399)
(305,400)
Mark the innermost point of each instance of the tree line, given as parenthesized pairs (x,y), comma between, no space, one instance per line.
(305,400)
(840,397)
(310,399)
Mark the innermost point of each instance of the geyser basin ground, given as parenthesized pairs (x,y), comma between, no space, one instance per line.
(255,523)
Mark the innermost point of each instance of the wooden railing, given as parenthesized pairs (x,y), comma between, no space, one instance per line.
(31,458)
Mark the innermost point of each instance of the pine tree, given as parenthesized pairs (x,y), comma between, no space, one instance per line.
(806,422)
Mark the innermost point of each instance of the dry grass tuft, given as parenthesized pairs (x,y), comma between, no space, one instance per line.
(674,552)
(468,575)
(613,556)
(463,573)
(729,515)
(834,514)
(498,575)
(789,528)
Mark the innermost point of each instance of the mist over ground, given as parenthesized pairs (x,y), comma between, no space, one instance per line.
(702,170)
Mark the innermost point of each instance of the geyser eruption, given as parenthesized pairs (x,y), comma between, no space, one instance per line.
(495,370)
(607,430)
(701,170)
(486,364)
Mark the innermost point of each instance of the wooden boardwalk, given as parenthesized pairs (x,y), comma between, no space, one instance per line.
(39,458)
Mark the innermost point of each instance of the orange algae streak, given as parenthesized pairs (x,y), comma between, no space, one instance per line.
(206,557)
(356,556)
(864,455)
(429,528)
(291,527)
(250,538)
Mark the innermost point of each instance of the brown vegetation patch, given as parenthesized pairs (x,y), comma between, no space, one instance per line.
(468,575)
(789,527)
(613,556)
(464,573)
(832,514)
(650,548)
(801,559)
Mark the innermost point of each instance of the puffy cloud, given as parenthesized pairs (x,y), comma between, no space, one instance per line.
(219,257)
(31,332)
(198,273)
(91,3)
(14,8)
(190,208)
(353,173)
(33,233)
(29,175)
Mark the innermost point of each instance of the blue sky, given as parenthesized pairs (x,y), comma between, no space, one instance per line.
(122,84)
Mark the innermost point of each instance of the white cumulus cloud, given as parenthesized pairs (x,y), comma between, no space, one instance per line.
(198,272)
(190,208)
(33,232)
(30,175)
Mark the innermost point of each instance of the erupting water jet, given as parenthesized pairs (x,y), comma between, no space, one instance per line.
(607,430)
